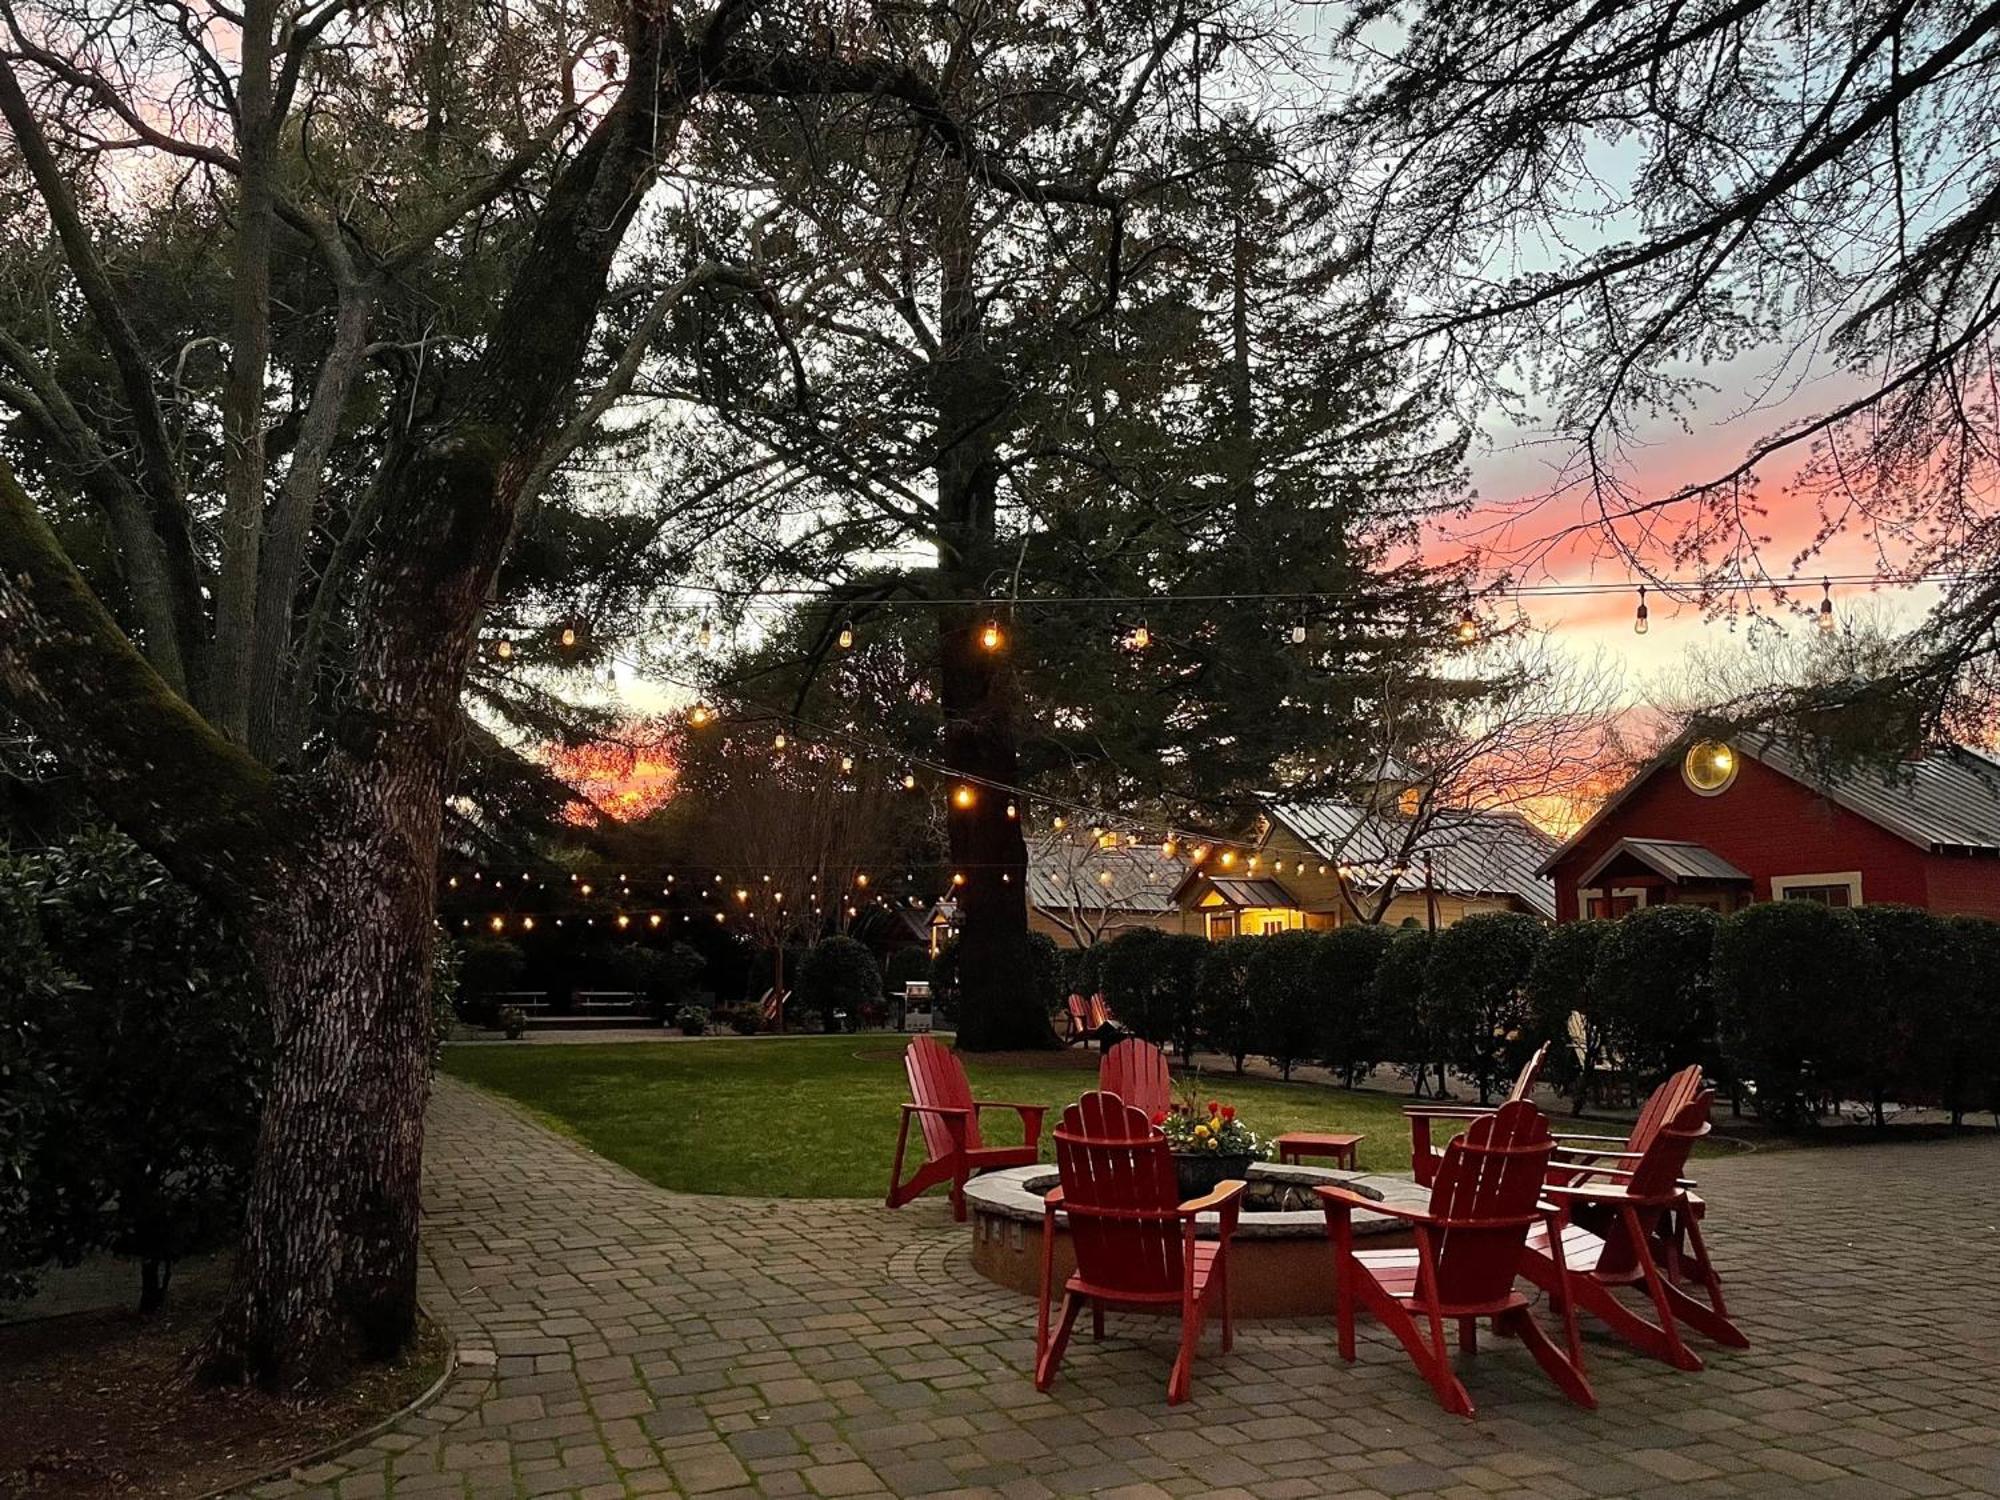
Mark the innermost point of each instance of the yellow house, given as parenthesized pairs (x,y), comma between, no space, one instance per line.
(1319,865)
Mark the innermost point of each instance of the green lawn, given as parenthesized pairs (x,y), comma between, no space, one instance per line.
(816,1117)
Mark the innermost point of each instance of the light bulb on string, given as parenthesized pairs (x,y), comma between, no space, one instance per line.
(962,796)
(1013,812)
(909,781)
(990,637)
(705,636)
(504,649)
(1168,847)
(527,924)
(1299,631)
(1641,621)
(1140,638)
(1826,606)
(1059,823)
(700,715)
(846,763)
(498,924)
(778,740)
(845,640)
(1468,627)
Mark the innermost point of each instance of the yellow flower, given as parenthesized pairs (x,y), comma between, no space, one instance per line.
(1215,1122)
(1214,1144)
(1201,1132)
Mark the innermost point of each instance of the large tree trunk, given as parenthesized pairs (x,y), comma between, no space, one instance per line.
(978,690)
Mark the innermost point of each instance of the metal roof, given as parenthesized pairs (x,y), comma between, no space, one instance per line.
(1945,801)
(1252,892)
(1068,875)
(1470,851)
(1674,858)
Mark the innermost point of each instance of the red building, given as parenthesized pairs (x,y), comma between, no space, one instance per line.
(1725,824)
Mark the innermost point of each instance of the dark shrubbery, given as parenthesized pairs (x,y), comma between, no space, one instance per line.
(1284,1004)
(1083,970)
(142,1038)
(1563,1006)
(1784,975)
(1957,1045)
(1406,1029)
(1654,992)
(1916,960)
(1045,971)
(1222,990)
(1478,968)
(1352,1036)
(487,967)
(663,978)
(838,974)
(904,965)
(1152,981)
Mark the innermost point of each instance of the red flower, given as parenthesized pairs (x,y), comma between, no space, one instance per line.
(1228,1111)
(1159,1117)
(1213,1107)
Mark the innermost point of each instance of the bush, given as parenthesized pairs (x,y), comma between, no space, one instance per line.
(744,1020)
(692,1020)
(1222,997)
(838,974)
(1654,989)
(1284,1006)
(34,1112)
(1917,959)
(1473,985)
(487,966)
(904,965)
(163,1048)
(445,961)
(1406,1030)
(1957,1051)
(1562,1005)
(1152,981)
(513,1022)
(1083,970)
(1045,972)
(1351,1024)
(944,973)
(1786,976)
(663,978)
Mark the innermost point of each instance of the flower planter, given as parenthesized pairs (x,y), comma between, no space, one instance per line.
(1200,1171)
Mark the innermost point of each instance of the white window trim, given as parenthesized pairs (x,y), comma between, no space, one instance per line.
(1781,885)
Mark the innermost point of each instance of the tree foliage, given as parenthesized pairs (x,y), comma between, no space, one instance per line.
(1354,1033)
(1564,1004)
(1781,968)
(1474,981)
(1653,987)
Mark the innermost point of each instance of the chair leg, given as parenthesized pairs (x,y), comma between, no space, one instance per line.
(1097,1322)
(1049,1359)
(1432,1358)
(1565,1371)
(1468,1335)
(959,1177)
(1657,1287)
(1343,1305)
(1181,1379)
(896,1200)
(1222,1291)
(1713,1319)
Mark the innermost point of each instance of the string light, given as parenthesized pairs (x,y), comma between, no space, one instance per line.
(1228,858)
(498,924)
(1299,631)
(1167,847)
(700,714)
(846,762)
(1826,606)
(504,649)
(1059,824)
(1639,620)
(705,636)
(962,796)
(654,920)
(1141,638)
(1468,627)
(1013,812)
(909,781)
(527,924)
(846,638)
(990,637)
(585,888)
(778,740)
(623,921)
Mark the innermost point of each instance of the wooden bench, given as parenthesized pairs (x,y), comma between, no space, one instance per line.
(601,1002)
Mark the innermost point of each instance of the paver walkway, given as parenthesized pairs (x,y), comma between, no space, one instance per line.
(628,1341)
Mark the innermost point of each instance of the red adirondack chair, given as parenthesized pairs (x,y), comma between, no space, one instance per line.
(1079,1020)
(1134,1239)
(1424,1157)
(948,1117)
(1470,1246)
(1136,1072)
(1575,1152)
(1633,1210)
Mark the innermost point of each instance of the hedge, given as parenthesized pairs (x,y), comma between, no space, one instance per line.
(1654,992)
(838,974)
(1352,1030)
(1473,987)
(1152,981)
(1222,991)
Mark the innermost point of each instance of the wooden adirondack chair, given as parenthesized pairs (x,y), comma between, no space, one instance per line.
(1576,1152)
(948,1117)
(1633,1209)
(1136,1072)
(1079,1020)
(1470,1246)
(1424,1156)
(1134,1239)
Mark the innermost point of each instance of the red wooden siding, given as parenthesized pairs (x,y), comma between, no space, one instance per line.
(1766,824)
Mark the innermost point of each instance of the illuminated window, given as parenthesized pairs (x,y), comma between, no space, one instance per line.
(1709,767)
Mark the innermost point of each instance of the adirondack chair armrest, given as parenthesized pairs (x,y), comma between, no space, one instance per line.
(1568,1152)
(1562,1139)
(1031,1117)
(1226,1201)
(1613,1193)
(955,1119)
(1053,1202)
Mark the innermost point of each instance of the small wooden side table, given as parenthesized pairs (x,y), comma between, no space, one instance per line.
(1294,1144)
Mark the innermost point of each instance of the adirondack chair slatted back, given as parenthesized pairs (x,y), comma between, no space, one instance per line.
(1484,1196)
(1665,1103)
(1119,1187)
(1136,1072)
(1530,1074)
(1100,1012)
(1079,1014)
(937,1079)
(1660,1168)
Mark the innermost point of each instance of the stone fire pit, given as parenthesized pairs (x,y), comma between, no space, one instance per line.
(1280,1264)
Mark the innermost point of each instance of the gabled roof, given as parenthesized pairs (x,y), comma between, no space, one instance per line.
(1674,858)
(1469,851)
(1251,892)
(1065,876)
(1945,802)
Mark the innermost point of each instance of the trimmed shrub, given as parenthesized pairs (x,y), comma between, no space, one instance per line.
(513,1022)
(1045,970)
(692,1020)
(1917,959)
(1284,1005)
(1958,1051)
(1152,981)
(487,966)
(1083,970)
(1473,982)
(1350,1021)
(838,974)
(1562,1005)
(1654,990)
(1222,992)
(1787,975)
(1405,1026)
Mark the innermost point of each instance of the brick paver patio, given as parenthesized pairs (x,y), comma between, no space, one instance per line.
(626,1341)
